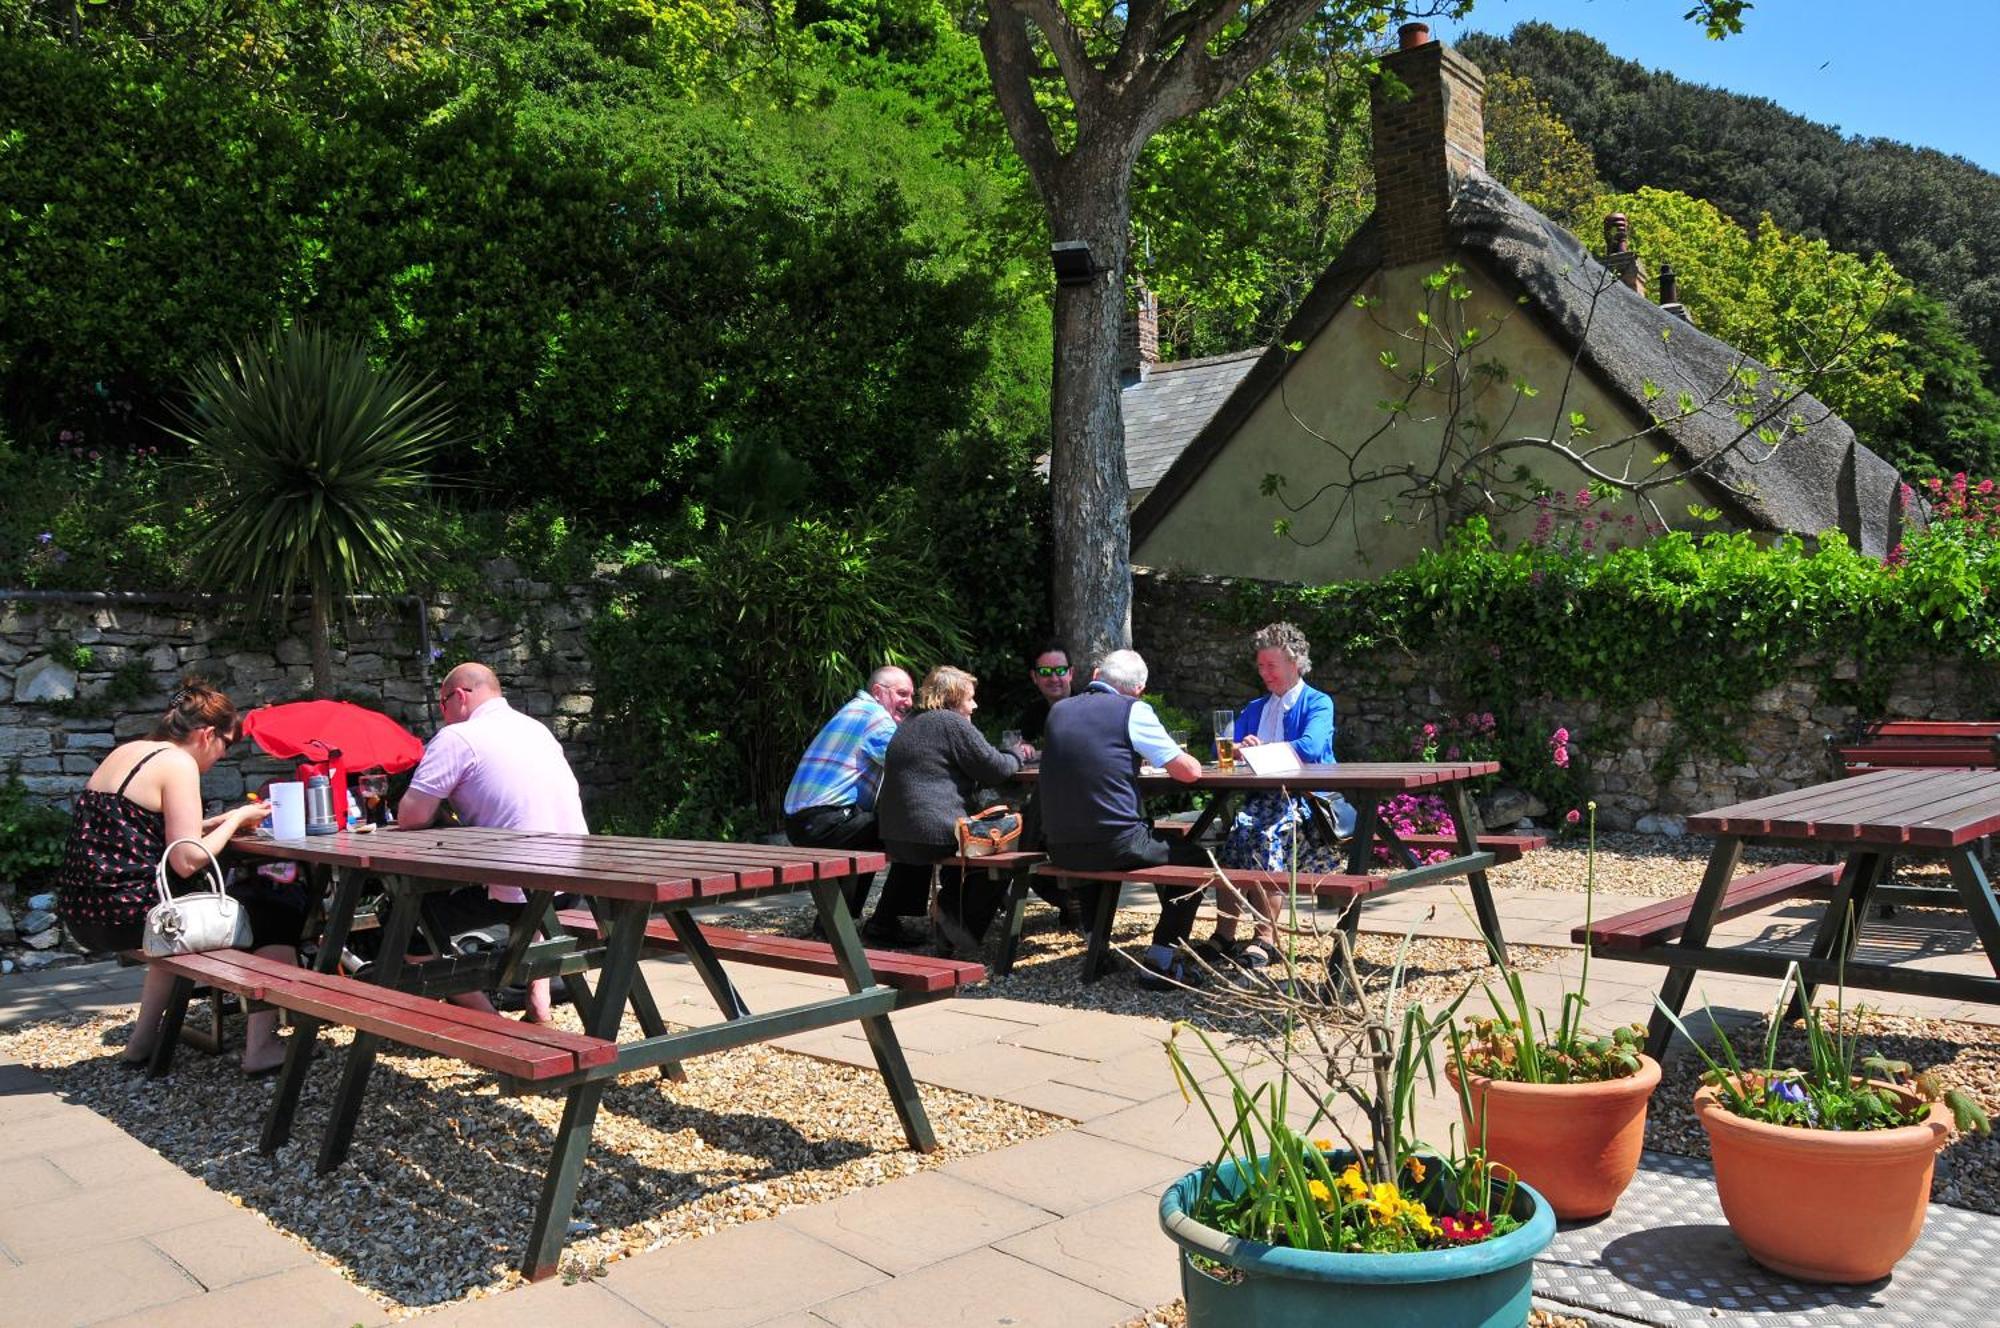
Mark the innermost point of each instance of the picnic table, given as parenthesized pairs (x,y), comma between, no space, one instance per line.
(1870,819)
(1364,784)
(623,880)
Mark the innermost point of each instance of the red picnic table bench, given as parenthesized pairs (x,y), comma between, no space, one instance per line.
(624,880)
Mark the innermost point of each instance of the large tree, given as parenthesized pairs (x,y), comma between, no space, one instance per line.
(1083,88)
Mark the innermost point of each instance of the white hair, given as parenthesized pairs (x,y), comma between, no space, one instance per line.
(1124,670)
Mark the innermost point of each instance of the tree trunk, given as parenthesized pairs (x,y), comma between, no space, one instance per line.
(1090,534)
(322,650)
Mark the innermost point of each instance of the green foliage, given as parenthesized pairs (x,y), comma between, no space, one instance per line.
(712,679)
(311,463)
(77,521)
(1703,623)
(32,836)
(1531,151)
(1936,217)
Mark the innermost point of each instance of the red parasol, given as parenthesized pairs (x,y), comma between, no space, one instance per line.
(317,730)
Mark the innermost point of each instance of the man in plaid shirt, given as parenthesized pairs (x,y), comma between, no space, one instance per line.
(831,801)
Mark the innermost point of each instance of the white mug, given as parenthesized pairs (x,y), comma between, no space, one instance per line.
(288,810)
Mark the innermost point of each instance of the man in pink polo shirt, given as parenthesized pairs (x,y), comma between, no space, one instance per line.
(499,768)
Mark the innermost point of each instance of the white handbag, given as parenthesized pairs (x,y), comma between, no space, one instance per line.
(201,920)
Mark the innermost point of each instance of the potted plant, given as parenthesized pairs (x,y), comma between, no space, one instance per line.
(1370,1226)
(1564,1108)
(1824,1174)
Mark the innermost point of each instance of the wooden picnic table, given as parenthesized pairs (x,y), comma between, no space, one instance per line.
(1871,819)
(624,880)
(1366,785)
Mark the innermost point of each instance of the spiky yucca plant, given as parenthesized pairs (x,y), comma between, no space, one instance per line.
(312,466)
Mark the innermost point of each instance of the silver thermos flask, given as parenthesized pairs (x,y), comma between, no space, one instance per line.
(319,806)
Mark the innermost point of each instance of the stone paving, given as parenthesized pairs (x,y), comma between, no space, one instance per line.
(1059,1231)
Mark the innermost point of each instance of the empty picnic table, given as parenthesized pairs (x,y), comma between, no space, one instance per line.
(1870,818)
(624,880)
(1364,784)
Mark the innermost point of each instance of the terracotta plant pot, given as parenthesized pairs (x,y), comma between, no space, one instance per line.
(1823,1205)
(1577,1144)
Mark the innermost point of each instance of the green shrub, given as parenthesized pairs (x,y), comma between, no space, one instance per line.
(32,836)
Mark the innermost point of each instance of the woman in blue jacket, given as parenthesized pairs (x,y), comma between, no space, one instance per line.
(1261,837)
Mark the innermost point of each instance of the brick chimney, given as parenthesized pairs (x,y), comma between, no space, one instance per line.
(1139,336)
(1423,142)
(1618,254)
(1670,294)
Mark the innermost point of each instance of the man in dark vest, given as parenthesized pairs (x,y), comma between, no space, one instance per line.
(1092,817)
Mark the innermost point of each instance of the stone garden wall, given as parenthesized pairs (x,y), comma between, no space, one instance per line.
(1198,661)
(76,678)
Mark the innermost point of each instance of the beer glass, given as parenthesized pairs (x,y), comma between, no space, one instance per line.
(374,786)
(1225,738)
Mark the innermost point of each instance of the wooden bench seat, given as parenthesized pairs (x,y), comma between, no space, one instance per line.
(532,1054)
(1664,921)
(1011,861)
(1922,744)
(918,977)
(1322,885)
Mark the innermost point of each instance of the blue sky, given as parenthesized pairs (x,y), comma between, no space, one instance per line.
(1840,62)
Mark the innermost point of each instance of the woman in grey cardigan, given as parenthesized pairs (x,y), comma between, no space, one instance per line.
(931,776)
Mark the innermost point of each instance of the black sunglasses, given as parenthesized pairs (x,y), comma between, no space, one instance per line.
(1051,670)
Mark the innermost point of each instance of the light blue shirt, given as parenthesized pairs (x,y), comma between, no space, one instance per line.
(1144,730)
(1271,723)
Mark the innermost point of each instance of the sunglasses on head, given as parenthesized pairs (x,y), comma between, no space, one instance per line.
(1051,670)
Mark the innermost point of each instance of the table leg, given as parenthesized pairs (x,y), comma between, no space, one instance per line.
(889,1059)
(1015,910)
(1465,814)
(1103,911)
(1212,811)
(1722,860)
(644,1008)
(623,943)
(696,947)
(346,882)
(1970,878)
(171,1019)
(360,1063)
(1839,926)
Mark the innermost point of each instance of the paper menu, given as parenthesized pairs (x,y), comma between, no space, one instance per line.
(1270,758)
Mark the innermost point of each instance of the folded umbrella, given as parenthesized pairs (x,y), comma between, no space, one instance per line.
(322,730)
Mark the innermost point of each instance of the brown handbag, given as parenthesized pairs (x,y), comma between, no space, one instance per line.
(994,830)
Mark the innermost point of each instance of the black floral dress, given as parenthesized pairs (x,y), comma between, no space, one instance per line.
(106,884)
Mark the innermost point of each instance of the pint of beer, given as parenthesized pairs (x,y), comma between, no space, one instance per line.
(1224,723)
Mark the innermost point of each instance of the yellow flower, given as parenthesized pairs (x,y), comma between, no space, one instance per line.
(1420,1218)
(1386,1198)
(1352,1185)
(1324,1145)
(1321,1195)
(1417,1170)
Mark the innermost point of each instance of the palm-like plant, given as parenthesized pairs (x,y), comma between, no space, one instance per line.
(311,464)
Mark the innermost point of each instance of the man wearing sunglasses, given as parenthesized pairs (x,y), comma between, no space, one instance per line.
(1049,670)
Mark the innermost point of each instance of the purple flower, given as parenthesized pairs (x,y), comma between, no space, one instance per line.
(46,537)
(1788,1091)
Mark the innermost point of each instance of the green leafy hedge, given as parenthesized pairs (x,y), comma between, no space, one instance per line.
(1701,622)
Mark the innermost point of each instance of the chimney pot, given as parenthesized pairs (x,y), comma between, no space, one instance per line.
(1617,233)
(1412,34)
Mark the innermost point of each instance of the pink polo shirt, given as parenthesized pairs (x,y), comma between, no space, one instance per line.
(504,769)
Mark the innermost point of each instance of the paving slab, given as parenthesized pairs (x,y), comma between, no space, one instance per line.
(90,1286)
(32,1180)
(1095,1035)
(737,1278)
(159,1201)
(1140,1073)
(1072,1103)
(1169,1125)
(299,1298)
(1117,1247)
(547,1304)
(235,1247)
(977,1290)
(919,1220)
(992,1070)
(1067,1172)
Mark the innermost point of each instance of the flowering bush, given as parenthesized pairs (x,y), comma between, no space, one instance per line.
(1380,1189)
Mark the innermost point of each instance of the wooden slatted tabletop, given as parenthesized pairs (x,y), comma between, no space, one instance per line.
(1918,808)
(661,871)
(1374,776)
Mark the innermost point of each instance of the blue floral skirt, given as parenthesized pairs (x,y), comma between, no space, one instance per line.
(1260,837)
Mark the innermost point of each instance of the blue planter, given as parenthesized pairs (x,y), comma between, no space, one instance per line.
(1488,1285)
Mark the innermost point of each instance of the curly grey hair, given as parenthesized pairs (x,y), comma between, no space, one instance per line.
(1283,636)
(1124,670)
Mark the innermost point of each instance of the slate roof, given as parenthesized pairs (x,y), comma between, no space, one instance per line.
(1821,479)
(1166,408)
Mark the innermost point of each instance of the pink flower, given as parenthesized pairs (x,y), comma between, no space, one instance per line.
(1560,736)
(1561,757)
(1583,497)
(1573,816)
(1430,730)
(1986,486)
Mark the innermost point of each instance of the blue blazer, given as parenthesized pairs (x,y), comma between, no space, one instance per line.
(1309,726)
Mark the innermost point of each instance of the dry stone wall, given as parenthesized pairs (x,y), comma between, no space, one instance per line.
(77,678)
(1199,660)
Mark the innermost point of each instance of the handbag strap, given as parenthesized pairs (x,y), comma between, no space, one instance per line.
(160,871)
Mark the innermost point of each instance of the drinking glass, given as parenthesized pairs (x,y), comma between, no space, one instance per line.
(1010,739)
(374,786)
(1224,722)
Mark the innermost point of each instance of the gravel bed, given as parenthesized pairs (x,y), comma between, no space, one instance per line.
(1965,1056)
(1175,1316)
(435,1200)
(1656,866)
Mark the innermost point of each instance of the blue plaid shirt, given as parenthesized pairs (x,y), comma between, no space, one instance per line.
(844,763)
